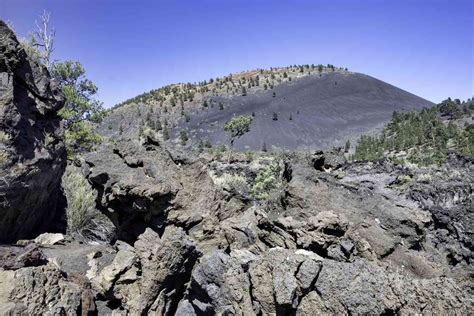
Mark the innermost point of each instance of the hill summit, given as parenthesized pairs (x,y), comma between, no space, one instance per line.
(292,108)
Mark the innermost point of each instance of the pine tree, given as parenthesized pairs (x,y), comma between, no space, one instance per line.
(200,146)
(158,126)
(166,134)
(183,136)
(149,120)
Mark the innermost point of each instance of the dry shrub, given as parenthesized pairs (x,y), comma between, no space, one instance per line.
(84,221)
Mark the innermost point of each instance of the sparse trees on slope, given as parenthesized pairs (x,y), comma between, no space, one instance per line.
(422,135)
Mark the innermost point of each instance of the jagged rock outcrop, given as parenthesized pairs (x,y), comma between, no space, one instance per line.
(32,154)
(348,238)
(140,187)
(448,195)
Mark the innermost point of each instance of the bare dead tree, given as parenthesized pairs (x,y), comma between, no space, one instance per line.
(44,38)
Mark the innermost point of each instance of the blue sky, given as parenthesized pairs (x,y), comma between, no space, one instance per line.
(129,47)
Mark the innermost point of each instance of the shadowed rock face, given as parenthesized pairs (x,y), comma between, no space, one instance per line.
(32,154)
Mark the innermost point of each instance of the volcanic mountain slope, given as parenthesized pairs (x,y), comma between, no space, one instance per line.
(311,111)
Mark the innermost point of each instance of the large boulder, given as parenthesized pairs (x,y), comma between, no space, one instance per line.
(13,258)
(150,277)
(32,154)
(44,290)
(143,186)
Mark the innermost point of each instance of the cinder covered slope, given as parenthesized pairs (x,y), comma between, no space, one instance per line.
(325,111)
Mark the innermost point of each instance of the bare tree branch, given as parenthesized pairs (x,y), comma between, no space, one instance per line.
(45,38)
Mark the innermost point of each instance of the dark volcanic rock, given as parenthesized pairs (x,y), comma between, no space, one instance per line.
(140,187)
(330,160)
(447,194)
(135,187)
(151,277)
(13,258)
(364,239)
(32,154)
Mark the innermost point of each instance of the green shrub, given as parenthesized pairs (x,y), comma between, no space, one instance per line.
(267,180)
(219,151)
(231,182)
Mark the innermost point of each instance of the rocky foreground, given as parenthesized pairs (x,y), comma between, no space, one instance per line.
(331,237)
(303,234)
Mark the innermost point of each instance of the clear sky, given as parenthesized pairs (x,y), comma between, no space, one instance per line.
(129,47)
